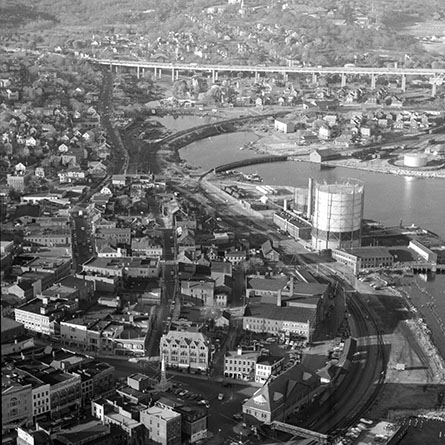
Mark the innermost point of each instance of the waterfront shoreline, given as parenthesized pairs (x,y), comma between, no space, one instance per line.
(263,146)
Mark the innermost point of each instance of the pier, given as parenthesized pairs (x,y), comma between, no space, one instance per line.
(251,161)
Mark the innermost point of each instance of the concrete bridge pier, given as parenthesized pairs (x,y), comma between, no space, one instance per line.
(314,78)
(433,89)
(173,74)
(138,72)
(155,72)
(160,73)
(343,80)
(257,76)
(403,86)
(214,76)
(373,81)
(285,76)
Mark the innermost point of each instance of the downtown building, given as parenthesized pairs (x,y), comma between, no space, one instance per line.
(186,350)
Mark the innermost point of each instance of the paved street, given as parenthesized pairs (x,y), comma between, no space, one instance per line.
(83,242)
(221,422)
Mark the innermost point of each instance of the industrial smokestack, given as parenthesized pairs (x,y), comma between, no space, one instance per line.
(285,205)
(310,198)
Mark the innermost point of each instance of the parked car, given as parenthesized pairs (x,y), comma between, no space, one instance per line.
(220,396)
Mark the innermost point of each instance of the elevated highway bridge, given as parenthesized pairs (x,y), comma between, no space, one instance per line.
(436,76)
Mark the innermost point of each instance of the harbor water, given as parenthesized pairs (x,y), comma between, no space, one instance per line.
(389,199)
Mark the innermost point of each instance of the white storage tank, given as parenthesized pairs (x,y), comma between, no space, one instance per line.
(337,215)
(414,160)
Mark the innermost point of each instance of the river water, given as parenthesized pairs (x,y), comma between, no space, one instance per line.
(389,199)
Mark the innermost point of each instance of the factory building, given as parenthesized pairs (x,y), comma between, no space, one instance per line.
(364,258)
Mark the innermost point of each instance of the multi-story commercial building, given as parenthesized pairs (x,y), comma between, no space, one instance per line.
(107,267)
(59,291)
(41,403)
(143,268)
(50,238)
(267,366)
(112,412)
(164,425)
(251,365)
(146,247)
(74,332)
(115,235)
(85,288)
(268,287)
(40,316)
(124,267)
(104,336)
(194,423)
(10,330)
(193,417)
(203,290)
(275,320)
(186,349)
(240,364)
(39,281)
(60,267)
(97,379)
(13,337)
(16,402)
(65,390)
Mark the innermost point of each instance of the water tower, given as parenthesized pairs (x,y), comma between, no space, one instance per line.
(337,214)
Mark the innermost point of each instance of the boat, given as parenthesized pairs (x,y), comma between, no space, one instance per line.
(247,145)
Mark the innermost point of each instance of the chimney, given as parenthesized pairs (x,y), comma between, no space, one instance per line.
(279,298)
(239,351)
(291,286)
(285,205)
(310,198)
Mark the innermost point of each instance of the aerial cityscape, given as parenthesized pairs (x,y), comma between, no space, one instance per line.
(222,222)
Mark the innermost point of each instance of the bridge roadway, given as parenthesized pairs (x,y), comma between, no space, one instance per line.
(271,69)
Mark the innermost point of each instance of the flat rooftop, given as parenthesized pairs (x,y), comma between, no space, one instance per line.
(162,413)
(269,311)
(8,323)
(293,219)
(369,252)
